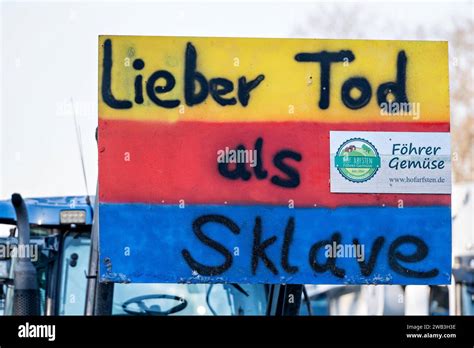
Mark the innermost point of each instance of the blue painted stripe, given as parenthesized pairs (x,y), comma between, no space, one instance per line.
(144,243)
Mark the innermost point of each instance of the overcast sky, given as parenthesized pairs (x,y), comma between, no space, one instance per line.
(49,57)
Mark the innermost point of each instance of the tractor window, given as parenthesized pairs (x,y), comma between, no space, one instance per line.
(74,266)
(467,299)
(439,300)
(189,299)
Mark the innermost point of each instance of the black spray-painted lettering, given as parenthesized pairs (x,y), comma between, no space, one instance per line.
(330,264)
(199,267)
(394,256)
(363,86)
(240,169)
(258,248)
(196,87)
(259,170)
(395,89)
(325,59)
(138,64)
(239,172)
(285,251)
(293,176)
(317,262)
(107,95)
(152,91)
(367,268)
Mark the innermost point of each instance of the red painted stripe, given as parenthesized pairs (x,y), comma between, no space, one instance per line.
(172,162)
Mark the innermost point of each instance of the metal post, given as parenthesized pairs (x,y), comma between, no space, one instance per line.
(93,261)
(284,300)
(52,290)
(104,299)
(273,299)
(292,300)
(99,295)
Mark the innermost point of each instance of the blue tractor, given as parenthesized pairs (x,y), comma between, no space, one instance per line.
(48,266)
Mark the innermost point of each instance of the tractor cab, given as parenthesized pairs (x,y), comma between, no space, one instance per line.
(60,250)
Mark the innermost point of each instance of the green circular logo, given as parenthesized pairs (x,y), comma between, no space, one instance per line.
(357,160)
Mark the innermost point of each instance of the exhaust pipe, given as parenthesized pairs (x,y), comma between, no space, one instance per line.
(26,293)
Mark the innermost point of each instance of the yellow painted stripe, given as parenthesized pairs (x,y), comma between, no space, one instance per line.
(290,90)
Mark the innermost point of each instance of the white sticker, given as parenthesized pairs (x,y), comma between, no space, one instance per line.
(390,162)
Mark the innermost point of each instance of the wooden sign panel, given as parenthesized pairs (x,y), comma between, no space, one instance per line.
(274,161)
